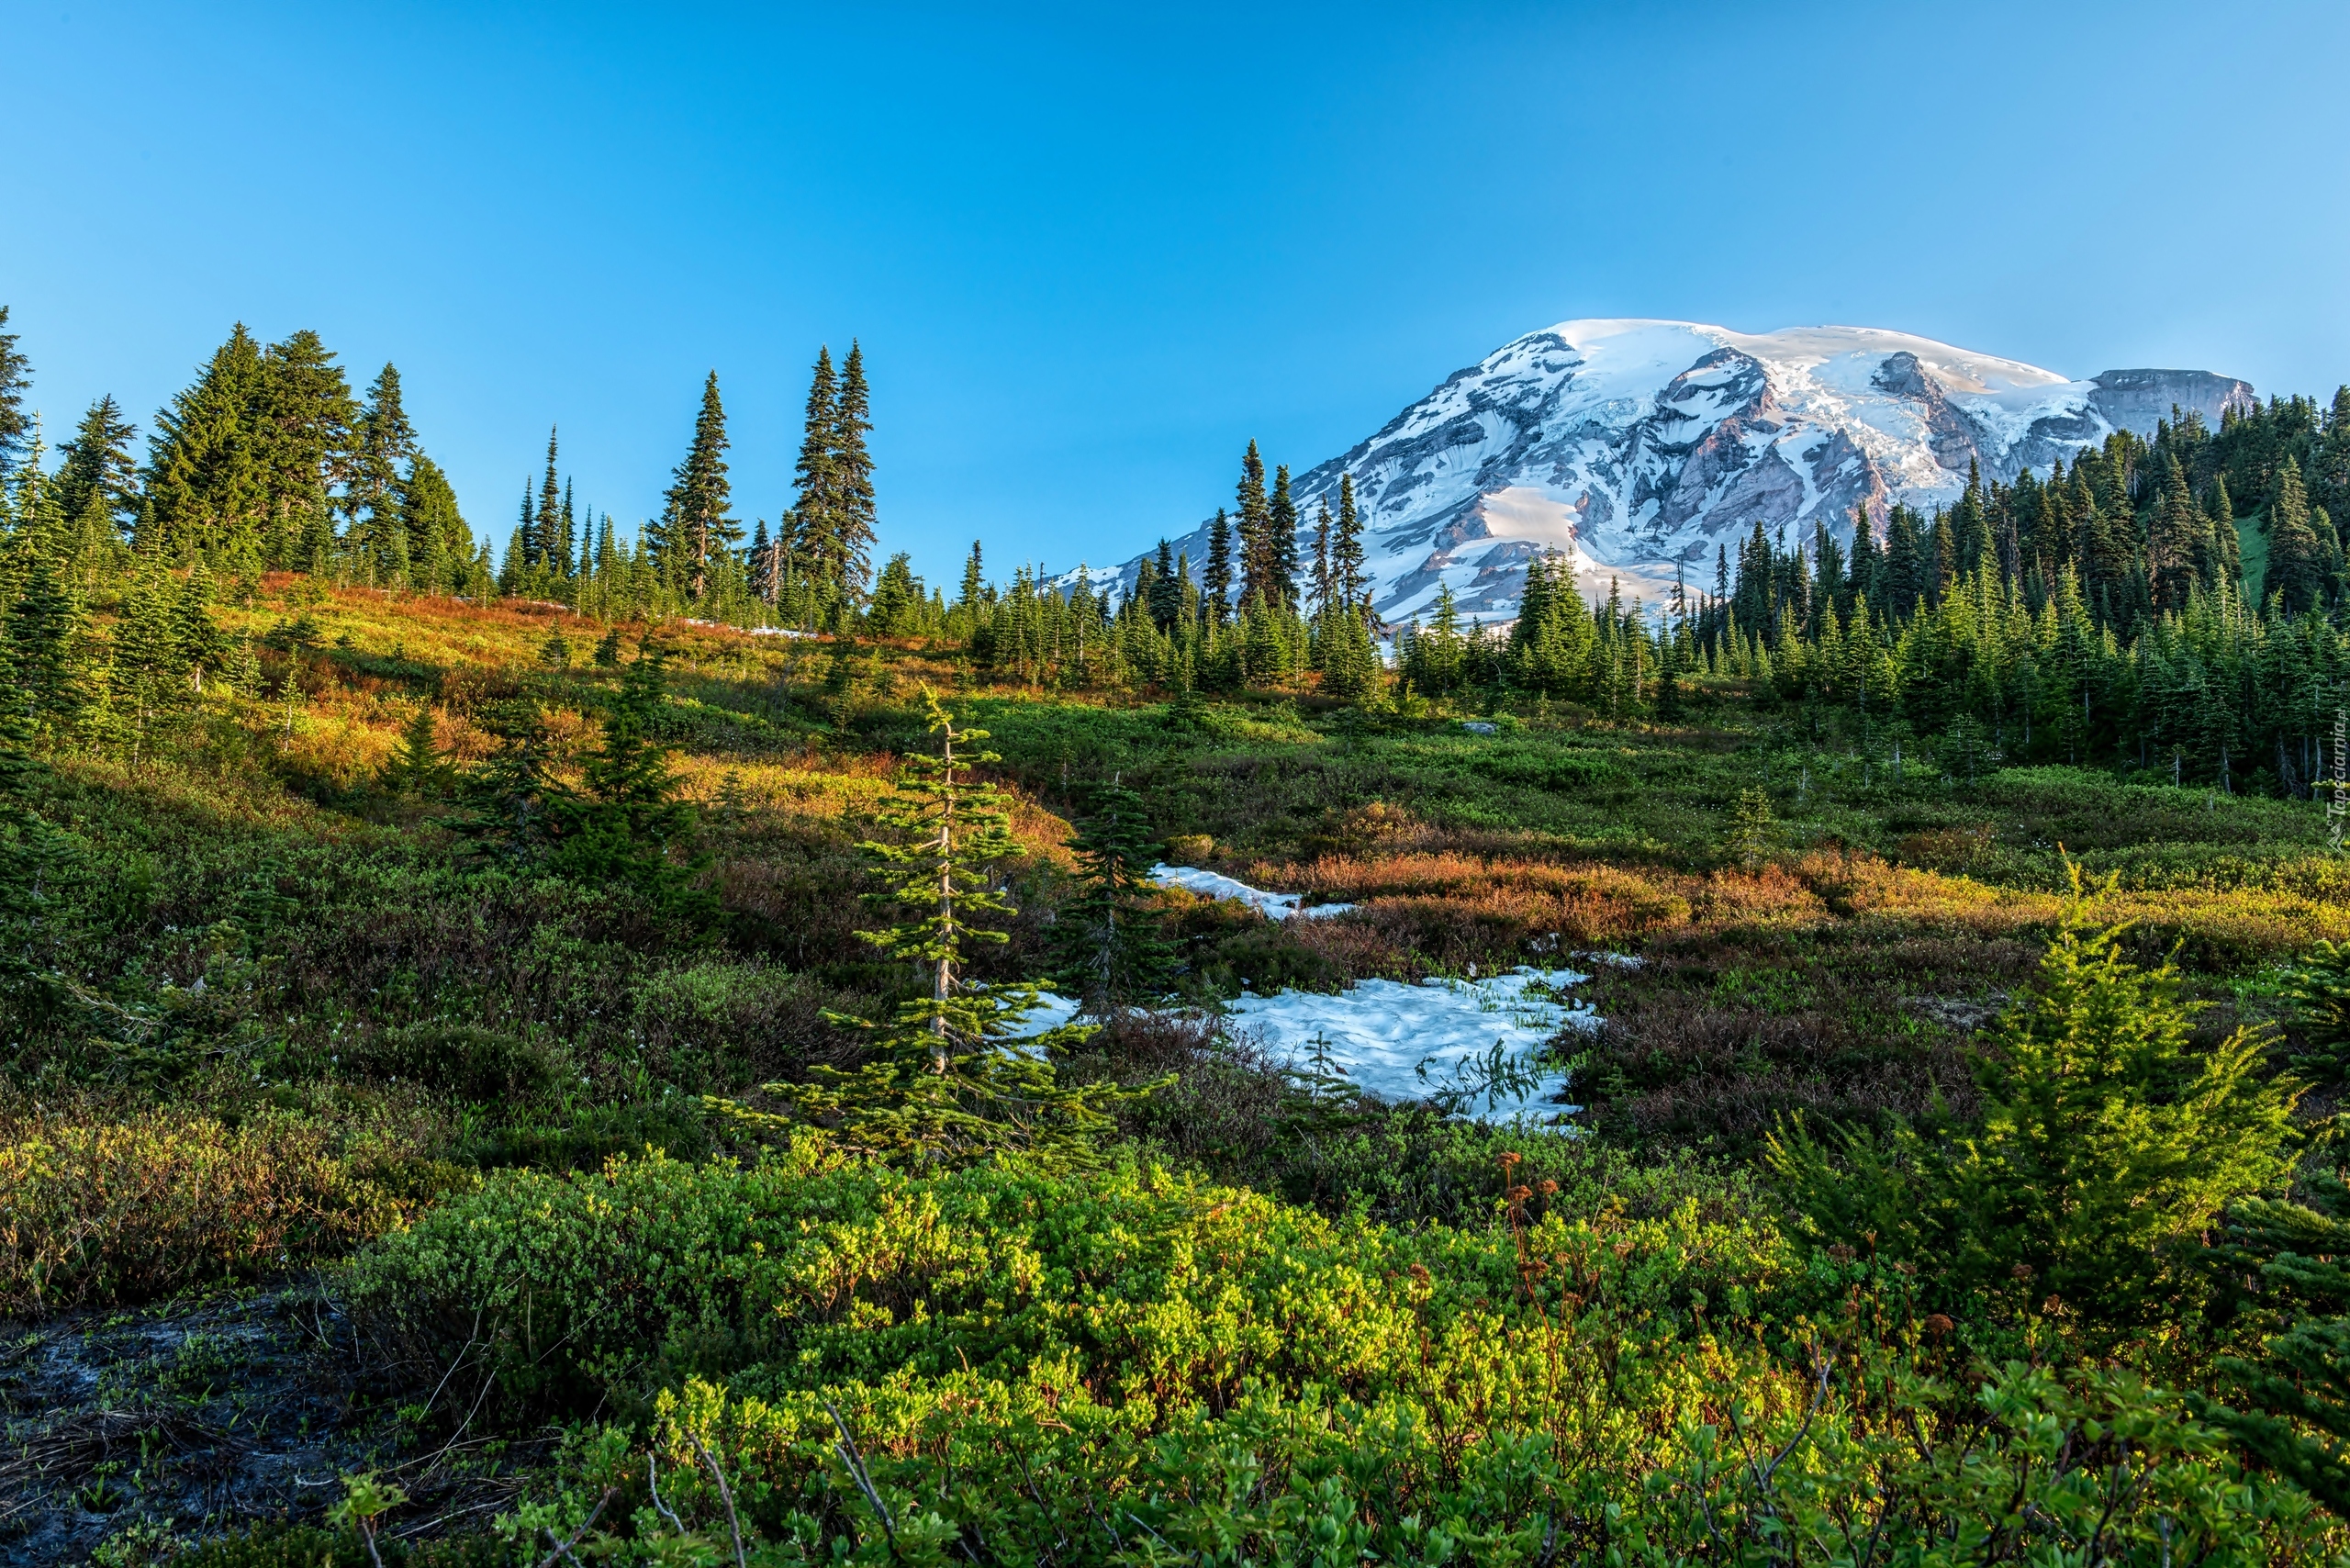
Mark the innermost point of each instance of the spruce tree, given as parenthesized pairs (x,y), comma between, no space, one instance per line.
(382,441)
(2178,542)
(147,675)
(1347,579)
(440,544)
(941,1082)
(1217,580)
(512,794)
(416,766)
(625,824)
(1164,598)
(203,468)
(1255,523)
(974,586)
(1107,946)
(815,530)
(43,648)
(550,542)
(300,427)
(16,376)
(696,522)
(853,470)
(1281,542)
(1320,591)
(2297,561)
(97,461)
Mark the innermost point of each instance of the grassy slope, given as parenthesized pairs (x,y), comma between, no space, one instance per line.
(405,1017)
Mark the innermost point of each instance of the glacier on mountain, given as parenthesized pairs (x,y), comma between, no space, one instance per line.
(1639,448)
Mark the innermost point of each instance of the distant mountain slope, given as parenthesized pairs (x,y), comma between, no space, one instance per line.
(1641,446)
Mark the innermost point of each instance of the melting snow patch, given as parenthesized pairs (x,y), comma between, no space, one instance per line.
(1211,885)
(1050,1013)
(1468,1041)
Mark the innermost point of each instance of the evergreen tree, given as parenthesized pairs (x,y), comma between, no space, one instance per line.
(1280,521)
(695,524)
(16,376)
(2107,1143)
(416,766)
(625,824)
(201,647)
(1164,598)
(1254,526)
(44,653)
(1106,942)
(439,543)
(853,468)
(147,677)
(896,599)
(816,510)
(1320,589)
(512,795)
(2178,544)
(2296,1388)
(974,585)
(549,541)
(2297,561)
(941,1082)
(383,441)
(97,461)
(1348,578)
(1218,578)
(35,860)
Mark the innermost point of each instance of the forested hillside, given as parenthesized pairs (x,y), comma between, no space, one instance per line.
(673,1044)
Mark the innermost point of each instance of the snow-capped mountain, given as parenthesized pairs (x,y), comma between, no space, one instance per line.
(1636,448)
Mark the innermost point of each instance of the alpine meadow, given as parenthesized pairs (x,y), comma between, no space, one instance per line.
(1713,948)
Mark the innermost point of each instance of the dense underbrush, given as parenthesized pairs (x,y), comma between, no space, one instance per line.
(302,1014)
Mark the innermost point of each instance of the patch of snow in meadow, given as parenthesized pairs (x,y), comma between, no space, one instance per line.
(1408,1042)
(1213,885)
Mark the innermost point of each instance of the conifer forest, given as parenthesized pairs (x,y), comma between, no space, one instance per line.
(534,1036)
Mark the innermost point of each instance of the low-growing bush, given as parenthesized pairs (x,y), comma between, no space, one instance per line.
(465,1061)
(1137,1291)
(94,1215)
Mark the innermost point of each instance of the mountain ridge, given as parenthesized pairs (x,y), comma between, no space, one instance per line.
(1638,447)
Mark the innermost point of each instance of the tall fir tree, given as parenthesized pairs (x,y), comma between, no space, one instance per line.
(1319,591)
(1254,522)
(15,379)
(440,544)
(974,585)
(1280,540)
(98,459)
(1217,580)
(2297,559)
(815,519)
(1347,577)
(383,441)
(549,548)
(697,523)
(852,466)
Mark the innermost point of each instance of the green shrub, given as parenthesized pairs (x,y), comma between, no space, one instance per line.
(465,1061)
(99,1214)
(1146,1290)
(2106,1145)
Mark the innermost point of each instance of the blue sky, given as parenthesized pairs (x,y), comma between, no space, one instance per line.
(1090,252)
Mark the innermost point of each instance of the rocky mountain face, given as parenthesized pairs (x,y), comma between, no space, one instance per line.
(1639,448)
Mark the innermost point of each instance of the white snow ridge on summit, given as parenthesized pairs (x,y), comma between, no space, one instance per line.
(1638,448)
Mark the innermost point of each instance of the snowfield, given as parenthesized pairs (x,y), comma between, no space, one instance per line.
(1639,449)
(1408,1042)
(1212,885)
